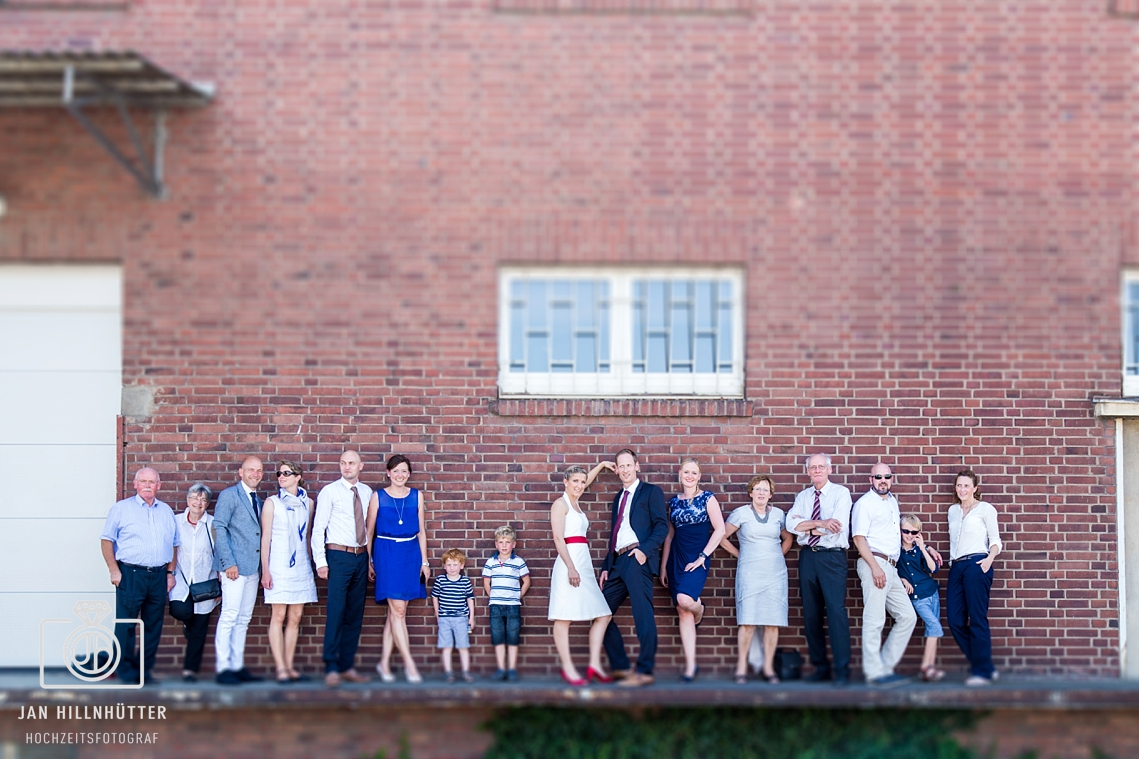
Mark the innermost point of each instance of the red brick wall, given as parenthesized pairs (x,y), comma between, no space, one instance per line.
(931,201)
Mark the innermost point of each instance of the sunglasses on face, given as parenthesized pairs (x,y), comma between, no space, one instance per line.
(882,476)
(911,532)
(283,473)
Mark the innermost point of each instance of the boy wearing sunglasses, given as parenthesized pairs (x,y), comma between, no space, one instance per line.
(916,567)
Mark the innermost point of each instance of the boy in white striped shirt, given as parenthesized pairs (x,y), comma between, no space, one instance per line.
(506,578)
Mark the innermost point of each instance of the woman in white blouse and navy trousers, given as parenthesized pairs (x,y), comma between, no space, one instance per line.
(974,543)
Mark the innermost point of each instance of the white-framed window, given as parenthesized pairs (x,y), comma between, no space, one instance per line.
(621,331)
(1130,302)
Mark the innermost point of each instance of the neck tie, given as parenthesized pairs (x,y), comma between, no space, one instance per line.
(358,513)
(816,515)
(620,516)
(253,500)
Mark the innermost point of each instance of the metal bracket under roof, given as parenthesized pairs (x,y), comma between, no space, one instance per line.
(80,81)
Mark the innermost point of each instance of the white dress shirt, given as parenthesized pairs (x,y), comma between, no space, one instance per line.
(334,516)
(195,559)
(625,534)
(834,503)
(878,520)
(976,533)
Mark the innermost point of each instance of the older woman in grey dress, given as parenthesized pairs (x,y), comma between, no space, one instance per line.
(761,575)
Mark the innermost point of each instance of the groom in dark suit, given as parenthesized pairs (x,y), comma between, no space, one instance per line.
(640,525)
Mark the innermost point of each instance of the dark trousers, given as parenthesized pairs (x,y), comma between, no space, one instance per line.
(967,608)
(822,583)
(347,591)
(634,581)
(195,629)
(140,595)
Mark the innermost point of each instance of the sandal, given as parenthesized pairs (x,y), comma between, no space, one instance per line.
(450,678)
(772,679)
(932,674)
(283,677)
(741,679)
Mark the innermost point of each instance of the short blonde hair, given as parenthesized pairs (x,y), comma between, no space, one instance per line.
(506,531)
(758,479)
(454,554)
(912,519)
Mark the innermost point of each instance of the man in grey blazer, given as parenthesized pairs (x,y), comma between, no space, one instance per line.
(237,522)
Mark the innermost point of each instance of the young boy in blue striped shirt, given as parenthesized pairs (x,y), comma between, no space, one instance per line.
(505,578)
(453,596)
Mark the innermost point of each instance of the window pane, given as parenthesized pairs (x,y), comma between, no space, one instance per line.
(562,337)
(706,353)
(724,336)
(1131,344)
(585,305)
(517,336)
(638,328)
(537,311)
(681,337)
(537,359)
(603,328)
(656,306)
(658,353)
(586,353)
(705,306)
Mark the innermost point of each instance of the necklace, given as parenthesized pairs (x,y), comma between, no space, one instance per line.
(402,505)
(761,519)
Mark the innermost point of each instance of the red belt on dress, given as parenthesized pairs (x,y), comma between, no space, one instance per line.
(577,539)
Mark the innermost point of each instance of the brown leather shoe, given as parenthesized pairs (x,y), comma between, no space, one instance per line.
(352,676)
(332,680)
(620,674)
(636,680)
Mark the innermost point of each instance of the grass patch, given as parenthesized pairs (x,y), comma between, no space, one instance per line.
(707,733)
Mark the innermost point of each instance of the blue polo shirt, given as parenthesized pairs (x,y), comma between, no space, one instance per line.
(913,567)
(143,535)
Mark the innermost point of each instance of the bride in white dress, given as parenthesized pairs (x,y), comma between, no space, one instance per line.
(574,593)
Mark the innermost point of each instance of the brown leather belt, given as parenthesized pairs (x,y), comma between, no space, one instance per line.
(889,561)
(346,549)
(626,549)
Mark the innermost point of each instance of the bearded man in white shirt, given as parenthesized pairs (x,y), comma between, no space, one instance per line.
(875,525)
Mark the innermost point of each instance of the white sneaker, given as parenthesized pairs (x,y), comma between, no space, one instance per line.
(976,681)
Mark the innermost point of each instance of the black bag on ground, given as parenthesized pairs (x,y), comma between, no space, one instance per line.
(788,664)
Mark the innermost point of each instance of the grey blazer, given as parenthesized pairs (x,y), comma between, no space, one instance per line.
(238,531)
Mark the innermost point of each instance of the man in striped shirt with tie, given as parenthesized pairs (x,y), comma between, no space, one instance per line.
(821,518)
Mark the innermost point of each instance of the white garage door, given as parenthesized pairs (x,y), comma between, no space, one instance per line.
(60,393)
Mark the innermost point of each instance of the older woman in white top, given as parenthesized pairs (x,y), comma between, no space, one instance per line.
(195,564)
(974,543)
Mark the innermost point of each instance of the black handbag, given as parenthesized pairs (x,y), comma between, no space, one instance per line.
(788,664)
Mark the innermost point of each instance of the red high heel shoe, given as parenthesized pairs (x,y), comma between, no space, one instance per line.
(575,683)
(591,674)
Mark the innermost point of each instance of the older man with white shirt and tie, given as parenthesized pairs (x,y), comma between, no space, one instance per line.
(875,525)
(339,548)
(820,517)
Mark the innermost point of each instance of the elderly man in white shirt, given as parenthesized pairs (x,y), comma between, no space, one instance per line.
(820,517)
(340,551)
(877,535)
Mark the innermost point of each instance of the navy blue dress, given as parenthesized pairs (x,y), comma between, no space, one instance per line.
(692,529)
(397,559)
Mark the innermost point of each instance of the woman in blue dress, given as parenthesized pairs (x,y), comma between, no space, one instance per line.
(695,527)
(397,548)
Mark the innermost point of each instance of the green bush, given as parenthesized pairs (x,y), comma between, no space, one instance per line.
(710,733)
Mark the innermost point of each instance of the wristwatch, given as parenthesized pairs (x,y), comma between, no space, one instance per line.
(703,556)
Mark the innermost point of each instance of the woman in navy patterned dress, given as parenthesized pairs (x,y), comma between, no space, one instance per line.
(695,527)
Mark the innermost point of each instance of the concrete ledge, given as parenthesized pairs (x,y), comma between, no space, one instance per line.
(20,691)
